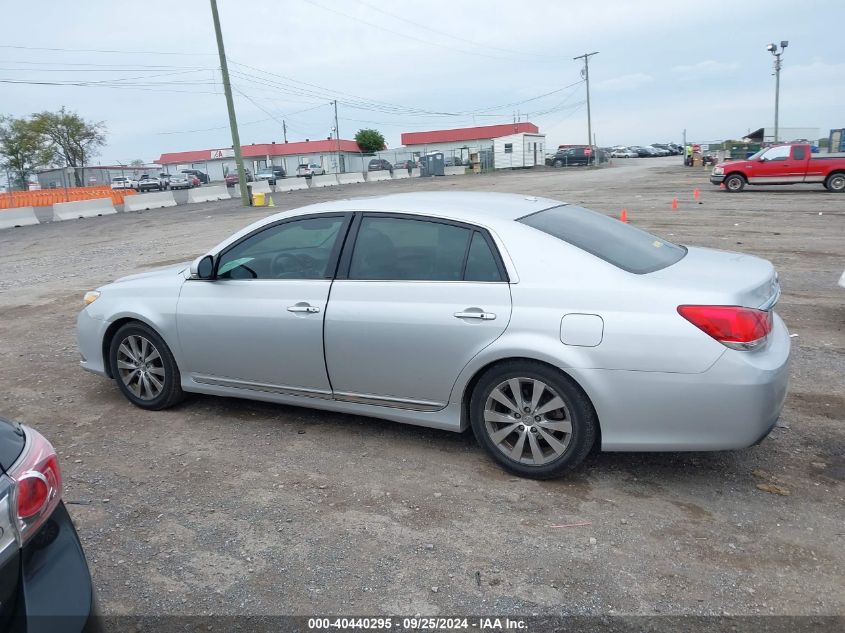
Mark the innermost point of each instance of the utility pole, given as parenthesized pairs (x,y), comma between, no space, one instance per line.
(337,135)
(230,104)
(773,49)
(285,130)
(586,74)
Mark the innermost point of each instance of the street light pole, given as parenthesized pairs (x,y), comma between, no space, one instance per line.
(773,49)
(586,75)
(230,104)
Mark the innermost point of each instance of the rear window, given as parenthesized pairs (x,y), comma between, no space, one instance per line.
(622,245)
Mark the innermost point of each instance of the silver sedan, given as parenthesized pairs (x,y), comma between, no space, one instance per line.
(545,327)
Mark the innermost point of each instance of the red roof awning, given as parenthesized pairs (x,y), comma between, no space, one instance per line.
(324,146)
(468,133)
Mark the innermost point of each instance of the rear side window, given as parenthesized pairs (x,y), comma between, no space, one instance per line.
(622,245)
(393,249)
(799,152)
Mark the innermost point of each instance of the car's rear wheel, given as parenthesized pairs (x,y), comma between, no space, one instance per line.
(734,183)
(532,419)
(836,183)
(144,367)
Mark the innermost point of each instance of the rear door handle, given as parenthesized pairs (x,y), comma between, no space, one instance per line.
(484,316)
(303,308)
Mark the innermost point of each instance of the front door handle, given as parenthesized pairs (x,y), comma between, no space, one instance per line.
(303,307)
(484,316)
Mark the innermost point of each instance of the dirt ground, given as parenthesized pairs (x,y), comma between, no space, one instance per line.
(235,507)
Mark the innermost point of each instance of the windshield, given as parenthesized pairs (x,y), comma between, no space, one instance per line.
(622,245)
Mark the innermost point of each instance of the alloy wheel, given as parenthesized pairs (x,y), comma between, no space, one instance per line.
(528,421)
(140,367)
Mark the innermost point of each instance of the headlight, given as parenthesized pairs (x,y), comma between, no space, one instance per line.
(718,171)
(90,297)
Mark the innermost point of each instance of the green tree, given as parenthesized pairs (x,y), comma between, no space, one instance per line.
(22,149)
(72,137)
(137,163)
(370,140)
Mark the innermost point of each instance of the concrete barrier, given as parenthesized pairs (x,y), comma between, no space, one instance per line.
(376,176)
(291,184)
(399,174)
(454,171)
(83,209)
(20,216)
(259,186)
(350,178)
(208,194)
(416,172)
(147,201)
(329,180)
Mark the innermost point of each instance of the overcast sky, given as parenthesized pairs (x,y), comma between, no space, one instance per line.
(663,65)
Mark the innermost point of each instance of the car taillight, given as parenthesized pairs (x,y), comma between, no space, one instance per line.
(733,326)
(38,484)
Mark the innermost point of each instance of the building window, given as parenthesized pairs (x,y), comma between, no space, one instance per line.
(508,148)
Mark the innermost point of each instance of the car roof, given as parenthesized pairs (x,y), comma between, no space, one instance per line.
(484,208)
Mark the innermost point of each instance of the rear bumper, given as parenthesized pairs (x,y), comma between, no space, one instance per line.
(732,405)
(56,591)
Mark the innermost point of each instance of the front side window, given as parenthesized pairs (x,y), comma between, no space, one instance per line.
(622,245)
(300,249)
(400,249)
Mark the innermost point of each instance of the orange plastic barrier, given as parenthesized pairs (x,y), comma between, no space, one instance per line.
(48,197)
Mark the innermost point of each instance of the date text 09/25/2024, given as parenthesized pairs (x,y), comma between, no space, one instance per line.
(416,623)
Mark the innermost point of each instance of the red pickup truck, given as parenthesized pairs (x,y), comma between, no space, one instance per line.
(782,165)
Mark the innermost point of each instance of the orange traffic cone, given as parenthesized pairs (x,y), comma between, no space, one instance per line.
(696,194)
(721,185)
(623,217)
(675,204)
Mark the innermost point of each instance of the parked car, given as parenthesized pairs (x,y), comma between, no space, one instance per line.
(164,178)
(571,156)
(271,173)
(203,177)
(623,152)
(45,584)
(123,183)
(782,165)
(195,180)
(306,170)
(232,178)
(182,181)
(659,151)
(149,183)
(405,164)
(540,364)
(379,164)
(452,161)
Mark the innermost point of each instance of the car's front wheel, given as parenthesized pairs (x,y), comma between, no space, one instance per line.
(557,163)
(734,183)
(144,368)
(533,420)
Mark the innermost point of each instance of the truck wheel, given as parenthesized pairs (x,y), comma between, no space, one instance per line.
(734,183)
(836,183)
(557,163)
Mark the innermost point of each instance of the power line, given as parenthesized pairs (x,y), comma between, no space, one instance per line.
(407,36)
(98,50)
(449,35)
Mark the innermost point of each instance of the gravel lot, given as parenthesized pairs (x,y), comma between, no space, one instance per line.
(235,507)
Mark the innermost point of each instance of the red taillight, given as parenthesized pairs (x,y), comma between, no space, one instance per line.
(733,326)
(38,484)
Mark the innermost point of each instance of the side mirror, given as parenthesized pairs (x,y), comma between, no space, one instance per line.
(202,267)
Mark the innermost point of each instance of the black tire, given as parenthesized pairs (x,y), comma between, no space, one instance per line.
(171,391)
(734,183)
(836,182)
(557,163)
(579,410)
